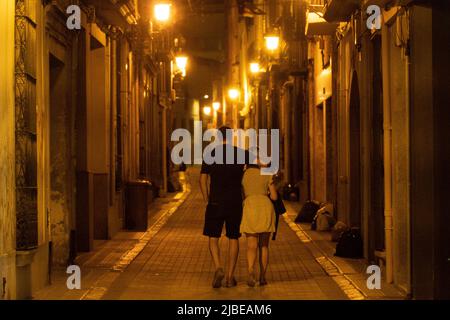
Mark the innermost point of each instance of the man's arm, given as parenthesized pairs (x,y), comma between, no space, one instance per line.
(204,186)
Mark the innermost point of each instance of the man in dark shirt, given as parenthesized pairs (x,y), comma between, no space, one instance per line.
(224,197)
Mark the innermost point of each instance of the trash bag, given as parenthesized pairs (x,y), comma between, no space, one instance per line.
(337,231)
(307,212)
(290,192)
(324,219)
(350,244)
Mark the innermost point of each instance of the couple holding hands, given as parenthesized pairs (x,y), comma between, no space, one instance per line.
(239,197)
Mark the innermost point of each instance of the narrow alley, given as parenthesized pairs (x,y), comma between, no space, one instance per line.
(108,108)
(175,264)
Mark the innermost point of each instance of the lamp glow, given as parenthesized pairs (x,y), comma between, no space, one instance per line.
(207,110)
(162,12)
(254,67)
(272,42)
(216,106)
(326,72)
(181,62)
(233,94)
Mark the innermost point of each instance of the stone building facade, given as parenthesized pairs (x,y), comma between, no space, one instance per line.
(347,100)
(363,122)
(83,113)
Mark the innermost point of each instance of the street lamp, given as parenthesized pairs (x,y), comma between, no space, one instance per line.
(216,106)
(254,67)
(162,12)
(181,62)
(207,110)
(233,93)
(272,42)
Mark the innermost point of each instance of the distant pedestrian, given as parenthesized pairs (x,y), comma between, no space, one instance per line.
(224,197)
(259,220)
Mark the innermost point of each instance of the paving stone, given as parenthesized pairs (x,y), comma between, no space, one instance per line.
(175,264)
(178,265)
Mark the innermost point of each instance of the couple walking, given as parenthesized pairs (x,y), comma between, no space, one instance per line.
(239,197)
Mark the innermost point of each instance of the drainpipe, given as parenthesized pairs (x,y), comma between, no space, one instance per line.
(408,102)
(287,114)
(387,155)
(113,113)
(164,148)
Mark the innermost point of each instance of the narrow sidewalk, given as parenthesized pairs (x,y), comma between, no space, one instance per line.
(354,270)
(113,255)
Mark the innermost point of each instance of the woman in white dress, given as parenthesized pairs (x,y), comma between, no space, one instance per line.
(258,219)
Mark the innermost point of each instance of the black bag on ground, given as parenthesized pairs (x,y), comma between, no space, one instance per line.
(290,192)
(350,245)
(308,212)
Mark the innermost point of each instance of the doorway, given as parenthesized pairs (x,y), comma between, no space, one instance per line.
(60,168)
(98,137)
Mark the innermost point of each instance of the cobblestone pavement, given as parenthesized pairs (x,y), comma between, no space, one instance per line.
(175,264)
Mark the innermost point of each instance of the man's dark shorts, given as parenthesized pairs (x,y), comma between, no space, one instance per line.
(228,213)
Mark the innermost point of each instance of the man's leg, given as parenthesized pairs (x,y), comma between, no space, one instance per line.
(215,251)
(233,253)
(215,254)
(213,230)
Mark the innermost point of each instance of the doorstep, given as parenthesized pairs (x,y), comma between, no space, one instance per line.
(353,269)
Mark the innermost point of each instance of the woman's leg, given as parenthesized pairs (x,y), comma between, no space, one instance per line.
(264,239)
(252,246)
